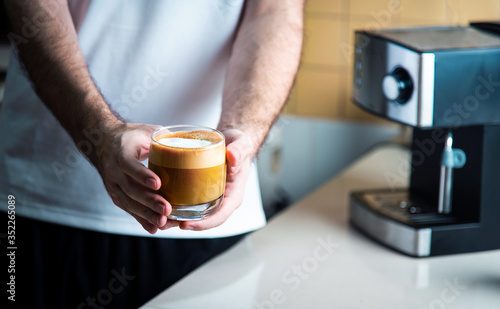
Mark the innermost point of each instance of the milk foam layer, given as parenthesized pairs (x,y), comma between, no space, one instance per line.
(172,149)
(184,142)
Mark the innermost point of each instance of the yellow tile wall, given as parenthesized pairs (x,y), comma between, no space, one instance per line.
(323,85)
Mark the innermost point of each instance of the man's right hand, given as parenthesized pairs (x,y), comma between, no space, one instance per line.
(57,68)
(130,184)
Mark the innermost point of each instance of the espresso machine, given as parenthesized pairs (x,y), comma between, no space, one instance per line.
(445,83)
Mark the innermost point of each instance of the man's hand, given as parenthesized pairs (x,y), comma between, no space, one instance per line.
(239,153)
(58,70)
(259,77)
(130,184)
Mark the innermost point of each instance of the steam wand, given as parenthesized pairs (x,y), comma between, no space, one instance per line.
(452,158)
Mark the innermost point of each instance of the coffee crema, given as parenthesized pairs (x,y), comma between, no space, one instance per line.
(191,166)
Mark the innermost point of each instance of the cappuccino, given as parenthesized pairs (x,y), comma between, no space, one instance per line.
(192,167)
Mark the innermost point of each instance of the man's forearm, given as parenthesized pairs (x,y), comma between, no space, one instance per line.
(56,66)
(262,68)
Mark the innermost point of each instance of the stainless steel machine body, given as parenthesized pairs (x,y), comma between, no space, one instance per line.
(445,83)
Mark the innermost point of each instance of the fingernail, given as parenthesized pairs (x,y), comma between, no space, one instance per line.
(160,208)
(155,219)
(152,230)
(151,183)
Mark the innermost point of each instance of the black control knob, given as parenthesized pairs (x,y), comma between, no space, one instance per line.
(398,86)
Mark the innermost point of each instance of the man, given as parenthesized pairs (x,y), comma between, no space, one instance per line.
(106,74)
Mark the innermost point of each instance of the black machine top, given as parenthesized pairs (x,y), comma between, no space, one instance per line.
(441,38)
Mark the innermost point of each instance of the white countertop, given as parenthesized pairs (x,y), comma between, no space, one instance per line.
(310,257)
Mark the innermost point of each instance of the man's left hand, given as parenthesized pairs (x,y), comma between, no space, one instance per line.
(239,152)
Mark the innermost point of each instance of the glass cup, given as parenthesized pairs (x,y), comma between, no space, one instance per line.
(191,163)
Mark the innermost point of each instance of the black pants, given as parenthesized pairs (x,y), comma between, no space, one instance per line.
(63,267)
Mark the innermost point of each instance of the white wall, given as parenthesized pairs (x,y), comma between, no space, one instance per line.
(301,154)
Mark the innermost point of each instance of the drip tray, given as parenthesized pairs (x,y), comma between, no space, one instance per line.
(400,206)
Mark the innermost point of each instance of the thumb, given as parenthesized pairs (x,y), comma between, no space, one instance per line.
(239,147)
(233,155)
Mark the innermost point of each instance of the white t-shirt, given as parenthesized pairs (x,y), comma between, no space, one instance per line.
(157,62)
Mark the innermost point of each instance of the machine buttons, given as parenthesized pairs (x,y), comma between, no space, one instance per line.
(397,86)
(358,66)
(357,81)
